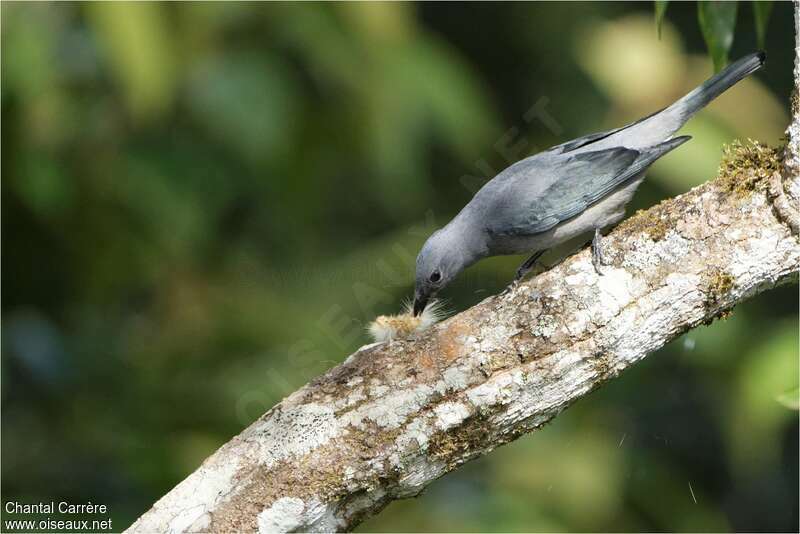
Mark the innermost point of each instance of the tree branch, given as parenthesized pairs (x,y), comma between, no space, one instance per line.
(394,417)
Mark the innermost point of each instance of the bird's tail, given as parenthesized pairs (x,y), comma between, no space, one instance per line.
(718,84)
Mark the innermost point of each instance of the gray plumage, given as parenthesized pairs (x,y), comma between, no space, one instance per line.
(576,187)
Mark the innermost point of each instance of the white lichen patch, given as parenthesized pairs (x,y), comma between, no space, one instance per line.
(793,187)
(392,409)
(614,287)
(292,514)
(495,336)
(356,396)
(349,473)
(556,292)
(364,501)
(418,474)
(356,380)
(189,502)
(580,278)
(579,323)
(191,519)
(322,517)
(635,333)
(455,378)
(758,247)
(681,281)
(285,515)
(293,432)
(352,398)
(496,390)
(450,414)
(362,348)
(545,326)
(560,363)
(734,234)
(415,437)
(750,260)
(645,254)
(378,390)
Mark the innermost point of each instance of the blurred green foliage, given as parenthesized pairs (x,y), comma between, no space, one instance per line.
(761,12)
(660,11)
(204,203)
(717,21)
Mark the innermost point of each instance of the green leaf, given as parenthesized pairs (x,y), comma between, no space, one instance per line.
(762,10)
(790,399)
(717,20)
(661,10)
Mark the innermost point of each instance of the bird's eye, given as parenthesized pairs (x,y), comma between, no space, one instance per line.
(435,276)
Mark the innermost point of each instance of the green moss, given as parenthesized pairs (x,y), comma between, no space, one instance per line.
(451,445)
(603,367)
(649,222)
(718,283)
(746,166)
(457,445)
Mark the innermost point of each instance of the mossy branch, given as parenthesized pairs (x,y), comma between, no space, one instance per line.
(395,416)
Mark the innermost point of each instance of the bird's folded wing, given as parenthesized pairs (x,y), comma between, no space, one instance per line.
(570,186)
(582,141)
(586,140)
(542,192)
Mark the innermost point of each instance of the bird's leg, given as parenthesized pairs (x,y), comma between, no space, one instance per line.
(527,265)
(524,269)
(597,252)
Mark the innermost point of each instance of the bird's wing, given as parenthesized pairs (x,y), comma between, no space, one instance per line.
(539,193)
(580,142)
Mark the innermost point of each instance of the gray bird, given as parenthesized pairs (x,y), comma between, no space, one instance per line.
(573,188)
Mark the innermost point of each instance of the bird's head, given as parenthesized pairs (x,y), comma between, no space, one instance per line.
(438,263)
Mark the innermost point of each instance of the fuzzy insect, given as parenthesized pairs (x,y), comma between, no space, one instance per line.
(405,324)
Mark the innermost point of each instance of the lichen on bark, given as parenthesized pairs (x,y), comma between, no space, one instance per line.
(395,416)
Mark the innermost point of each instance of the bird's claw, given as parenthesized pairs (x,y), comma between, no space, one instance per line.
(523,270)
(598,257)
(510,287)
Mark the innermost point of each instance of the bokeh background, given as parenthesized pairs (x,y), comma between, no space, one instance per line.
(203,204)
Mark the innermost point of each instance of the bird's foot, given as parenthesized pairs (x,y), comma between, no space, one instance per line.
(598,257)
(510,287)
(522,271)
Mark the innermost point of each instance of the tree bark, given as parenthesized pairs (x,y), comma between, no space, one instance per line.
(394,417)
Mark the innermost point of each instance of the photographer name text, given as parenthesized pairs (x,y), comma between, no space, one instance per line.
(60,508)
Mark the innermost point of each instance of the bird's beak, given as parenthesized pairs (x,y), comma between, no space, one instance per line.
(420,301)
